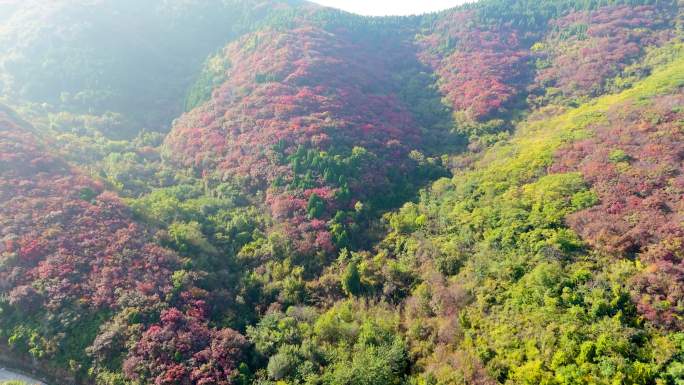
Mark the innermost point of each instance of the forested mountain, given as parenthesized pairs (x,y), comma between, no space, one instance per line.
(274,192)
(131,59)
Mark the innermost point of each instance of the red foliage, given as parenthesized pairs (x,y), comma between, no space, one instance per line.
(319,86)
(183,350)
(301,88)
(72,241)
(587,48)
(634,162)
(484,70)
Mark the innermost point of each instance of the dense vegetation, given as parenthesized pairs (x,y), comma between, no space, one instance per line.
(491,194)
(313,120)
(533,302)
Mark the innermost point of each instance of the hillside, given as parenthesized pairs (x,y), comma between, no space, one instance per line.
(80,277)
(547,259)
(315,120)
(128,58)
(489,194)
(71,252)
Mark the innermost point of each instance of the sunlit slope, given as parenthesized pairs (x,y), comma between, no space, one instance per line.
(512,285)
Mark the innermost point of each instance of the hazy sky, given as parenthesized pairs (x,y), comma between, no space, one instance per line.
(391,7)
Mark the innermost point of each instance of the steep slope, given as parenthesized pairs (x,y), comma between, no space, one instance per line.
(313,117)
(78,272)
(481,66)
(633,162)
(495,59)
(70,251)
(554,259)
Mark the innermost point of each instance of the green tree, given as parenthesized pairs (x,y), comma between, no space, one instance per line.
(351,280)
(316,206)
